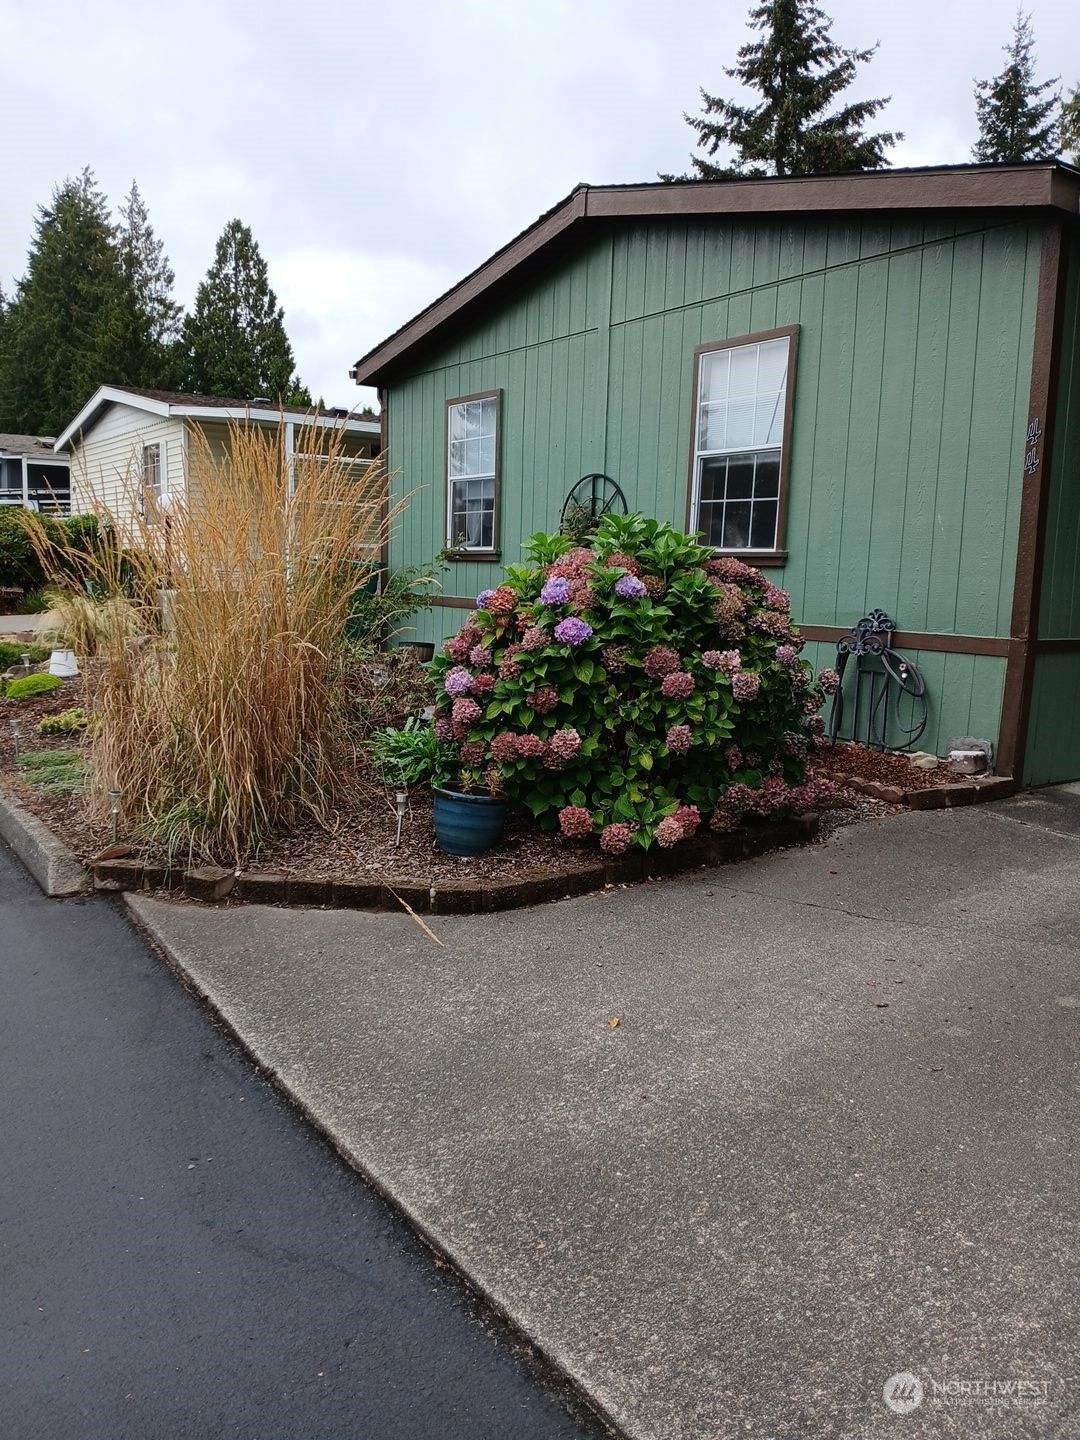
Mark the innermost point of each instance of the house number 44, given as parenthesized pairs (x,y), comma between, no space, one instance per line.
(1031,455)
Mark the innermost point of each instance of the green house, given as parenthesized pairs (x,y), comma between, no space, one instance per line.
(869,383)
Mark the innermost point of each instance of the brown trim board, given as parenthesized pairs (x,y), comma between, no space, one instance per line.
(829,634)
(1034,503)
(1039,186)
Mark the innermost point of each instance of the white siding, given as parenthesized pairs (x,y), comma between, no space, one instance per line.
(106,465)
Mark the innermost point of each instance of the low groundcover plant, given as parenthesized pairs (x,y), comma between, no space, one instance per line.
(633,687)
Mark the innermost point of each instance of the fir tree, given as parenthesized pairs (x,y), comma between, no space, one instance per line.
(50,360)
(1070,127)
(141,328)
(1018,119)
(234,341)
(799,71)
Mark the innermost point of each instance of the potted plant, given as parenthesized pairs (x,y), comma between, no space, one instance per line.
(470,813)
(470,808)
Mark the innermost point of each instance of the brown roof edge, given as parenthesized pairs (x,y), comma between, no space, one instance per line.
(1041,186)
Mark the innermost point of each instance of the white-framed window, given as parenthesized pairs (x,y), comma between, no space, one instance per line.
(472,472)
(742,394)
(154,480)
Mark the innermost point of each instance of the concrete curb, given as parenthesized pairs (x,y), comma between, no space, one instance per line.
(230,1013)
(55,868)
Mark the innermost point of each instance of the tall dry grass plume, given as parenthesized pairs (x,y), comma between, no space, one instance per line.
(221,632)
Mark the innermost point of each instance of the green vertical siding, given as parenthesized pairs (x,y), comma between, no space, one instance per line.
(909,412)
(1053,745)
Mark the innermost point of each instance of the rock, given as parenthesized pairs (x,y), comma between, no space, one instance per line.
(925,762)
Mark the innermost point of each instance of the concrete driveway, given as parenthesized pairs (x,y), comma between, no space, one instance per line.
(736,1149)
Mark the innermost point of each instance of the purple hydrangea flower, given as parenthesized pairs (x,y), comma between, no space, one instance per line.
(629,587)
(786,655)
(458,681)
(555,591)
(829,681)
(483,598)
(480,656)
(572,631)
(745,685)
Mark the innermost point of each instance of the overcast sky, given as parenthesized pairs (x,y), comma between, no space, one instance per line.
(380,152)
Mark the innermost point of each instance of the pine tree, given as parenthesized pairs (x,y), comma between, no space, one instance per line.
(798,70)
(1070,127)
(1018,119)
(49,363)
(234,341)
(141,328)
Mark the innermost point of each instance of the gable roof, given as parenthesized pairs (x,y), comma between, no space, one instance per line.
(34,447)
(1035,185)
(174,404)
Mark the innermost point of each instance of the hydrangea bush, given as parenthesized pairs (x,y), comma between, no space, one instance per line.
(634,687)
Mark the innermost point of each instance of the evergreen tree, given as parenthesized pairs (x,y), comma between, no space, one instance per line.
(141,327)
(1018,119)
(49,363)
(799,71)
(1070,127)
(234,341)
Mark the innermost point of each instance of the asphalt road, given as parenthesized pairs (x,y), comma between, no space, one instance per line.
(180,1255)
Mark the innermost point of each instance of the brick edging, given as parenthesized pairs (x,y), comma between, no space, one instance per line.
(454,897)
(936,797)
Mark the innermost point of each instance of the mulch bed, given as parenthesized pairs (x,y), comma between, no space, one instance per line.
(884,767)
(358,845)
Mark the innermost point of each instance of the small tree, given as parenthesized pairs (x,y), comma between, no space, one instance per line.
(798,70)
(1018,119)
(141,327)
(234,341)
(51,358)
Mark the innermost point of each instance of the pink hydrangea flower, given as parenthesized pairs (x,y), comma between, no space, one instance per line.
(480,656)
(535,637)
(509,669)
(530,747)
(745,685)
(502,601)
(829,681)
(504,747)
(543,700)
(465,713)
(688,818)
(786,655)
(729,662)
(616,839)
(614,658)
(812,703)
(776,599)
(669,832)
(733,757)
(444,730)
(677,686)
(457,649)
(660,660)
(623,562)
(484,683)
(473,752)
(575,822)
(678,739)
(565,743)
(654,586)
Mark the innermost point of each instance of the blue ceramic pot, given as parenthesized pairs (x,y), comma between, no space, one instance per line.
(468,824)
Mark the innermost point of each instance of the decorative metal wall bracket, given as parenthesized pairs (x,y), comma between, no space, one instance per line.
(889,691)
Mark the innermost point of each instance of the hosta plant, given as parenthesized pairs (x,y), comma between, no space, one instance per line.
(633,687)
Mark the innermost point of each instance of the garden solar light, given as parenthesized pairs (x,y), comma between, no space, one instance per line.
(401,800)
(114,814)
(24,659)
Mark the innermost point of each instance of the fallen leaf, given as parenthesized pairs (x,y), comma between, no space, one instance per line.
(614,1022)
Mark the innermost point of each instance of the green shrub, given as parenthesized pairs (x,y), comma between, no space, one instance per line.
(20,564)
(11,653)
(631,686)
(410,755)
(68,722)
(27,685)
(56,772)
(375,617)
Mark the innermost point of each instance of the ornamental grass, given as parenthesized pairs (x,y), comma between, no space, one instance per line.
(220,635)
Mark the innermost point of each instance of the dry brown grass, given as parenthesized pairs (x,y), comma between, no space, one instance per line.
(220,717)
